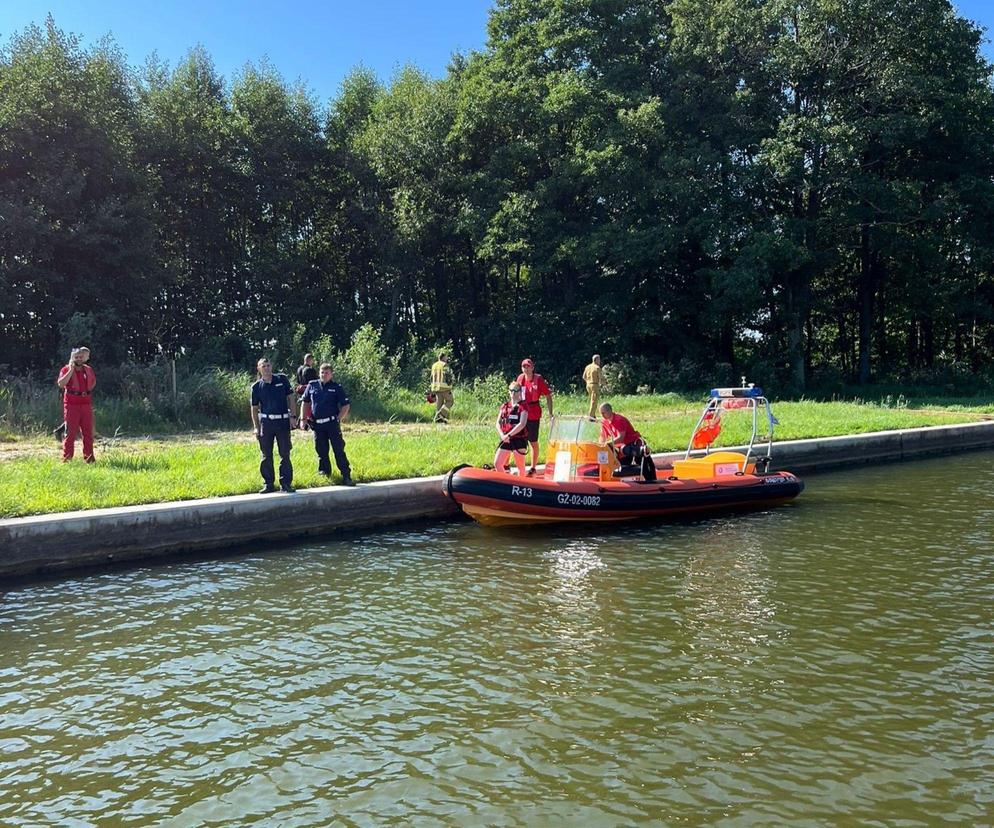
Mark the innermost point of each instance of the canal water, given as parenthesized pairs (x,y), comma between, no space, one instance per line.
(829,662)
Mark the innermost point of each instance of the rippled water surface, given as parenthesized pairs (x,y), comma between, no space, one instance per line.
(831,662)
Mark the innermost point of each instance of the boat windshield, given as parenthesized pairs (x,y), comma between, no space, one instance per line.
(578,430)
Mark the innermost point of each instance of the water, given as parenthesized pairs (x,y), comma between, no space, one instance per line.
(829,662)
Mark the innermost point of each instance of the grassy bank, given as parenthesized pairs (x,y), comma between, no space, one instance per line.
(181,467)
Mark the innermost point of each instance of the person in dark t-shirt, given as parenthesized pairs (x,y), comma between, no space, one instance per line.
(306,373)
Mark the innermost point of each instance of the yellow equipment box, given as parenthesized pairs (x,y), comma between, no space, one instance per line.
(716,464)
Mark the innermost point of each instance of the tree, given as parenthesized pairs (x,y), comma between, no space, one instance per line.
(74,224)
(189,149)
(279,160)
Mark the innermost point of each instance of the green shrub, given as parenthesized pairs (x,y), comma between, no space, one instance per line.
(29,405)
(367,369)
(323,349)
(289,349)
(218,395)
(100,331)
(626,374)
(416,361)
(491,390)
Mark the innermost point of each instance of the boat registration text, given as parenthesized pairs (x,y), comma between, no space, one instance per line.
(579,500)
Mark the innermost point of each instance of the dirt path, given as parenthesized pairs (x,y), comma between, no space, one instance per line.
(35,445)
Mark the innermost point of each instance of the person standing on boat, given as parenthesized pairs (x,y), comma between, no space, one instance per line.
(77,381)
(326,407)
(512,426)
(593,377)
(272,408)
(533,388)
(441,387)
(622,433)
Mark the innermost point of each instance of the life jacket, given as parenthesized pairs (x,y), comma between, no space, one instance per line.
(510,417)
(77,390)
(709,430)
(532,392)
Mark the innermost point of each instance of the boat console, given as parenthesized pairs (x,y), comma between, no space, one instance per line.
(579,448)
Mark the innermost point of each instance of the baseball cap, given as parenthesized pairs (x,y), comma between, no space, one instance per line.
(527,363)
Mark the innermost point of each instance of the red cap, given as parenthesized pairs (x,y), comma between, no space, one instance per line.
(527,363)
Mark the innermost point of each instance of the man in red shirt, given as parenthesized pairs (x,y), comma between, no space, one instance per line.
(622,433)
(533,388)
(77,380)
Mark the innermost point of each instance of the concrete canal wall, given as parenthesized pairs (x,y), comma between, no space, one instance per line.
(50,543)
(70,540)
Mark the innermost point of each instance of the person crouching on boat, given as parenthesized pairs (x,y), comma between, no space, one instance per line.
(512,425)
(631,448)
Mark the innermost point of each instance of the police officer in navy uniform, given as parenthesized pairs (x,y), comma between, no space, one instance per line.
(326,406)
(273,416)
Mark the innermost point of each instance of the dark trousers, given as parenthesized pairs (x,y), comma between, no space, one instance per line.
(637,453)
(275,431)
(325,433)
(631,452)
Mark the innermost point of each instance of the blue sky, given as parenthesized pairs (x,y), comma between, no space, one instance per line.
(317,42)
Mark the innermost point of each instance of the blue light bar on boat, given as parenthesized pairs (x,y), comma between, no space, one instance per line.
(726,393)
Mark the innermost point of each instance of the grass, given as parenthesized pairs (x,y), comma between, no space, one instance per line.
(182,467)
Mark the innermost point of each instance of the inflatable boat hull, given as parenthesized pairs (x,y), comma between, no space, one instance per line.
(497,499)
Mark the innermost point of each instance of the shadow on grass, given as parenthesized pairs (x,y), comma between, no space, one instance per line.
(898,396)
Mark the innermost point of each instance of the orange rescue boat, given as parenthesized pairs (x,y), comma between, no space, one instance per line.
(583,479)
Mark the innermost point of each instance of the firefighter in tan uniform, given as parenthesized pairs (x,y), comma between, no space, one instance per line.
(593,377)
(441,387)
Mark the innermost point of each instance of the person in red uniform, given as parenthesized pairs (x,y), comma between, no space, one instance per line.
(533,388)
(512,425)
(77,381)
(622,433)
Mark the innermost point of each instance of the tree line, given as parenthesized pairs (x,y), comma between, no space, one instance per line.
(803,190)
